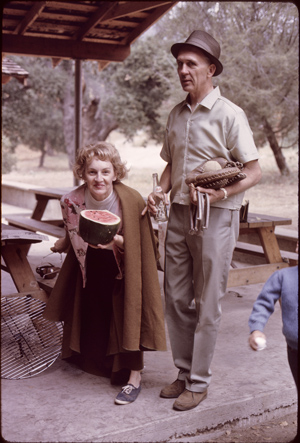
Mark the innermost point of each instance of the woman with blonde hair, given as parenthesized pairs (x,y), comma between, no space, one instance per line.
(108,296)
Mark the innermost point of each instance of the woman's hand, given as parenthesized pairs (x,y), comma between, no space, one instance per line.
(252,338)
(61,245)
(118,240)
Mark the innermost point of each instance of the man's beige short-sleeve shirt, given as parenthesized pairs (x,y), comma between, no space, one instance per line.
(216,128)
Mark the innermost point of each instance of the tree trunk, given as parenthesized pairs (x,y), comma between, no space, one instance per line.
(108,124)
(43,151)
(96,124)
(279,157)
(42,158)
(48,148)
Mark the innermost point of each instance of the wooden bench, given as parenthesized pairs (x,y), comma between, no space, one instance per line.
(54,228)
(257,250)
(287,238)
(288,234)
(18,194)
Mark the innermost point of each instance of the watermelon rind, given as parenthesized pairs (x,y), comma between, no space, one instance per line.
(96,232)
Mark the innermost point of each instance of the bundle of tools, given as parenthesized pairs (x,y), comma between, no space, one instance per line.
(215,173)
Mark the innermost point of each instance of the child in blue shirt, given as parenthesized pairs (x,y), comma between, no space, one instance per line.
(283,285)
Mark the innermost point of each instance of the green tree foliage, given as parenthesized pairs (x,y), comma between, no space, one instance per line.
(137,88)
(33,114)
(266,54)
(259,42)
(127,96)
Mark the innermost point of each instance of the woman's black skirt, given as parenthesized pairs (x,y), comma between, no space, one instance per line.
(97,307)
(96,318)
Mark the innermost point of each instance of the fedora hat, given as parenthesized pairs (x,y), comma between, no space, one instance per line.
(206,43)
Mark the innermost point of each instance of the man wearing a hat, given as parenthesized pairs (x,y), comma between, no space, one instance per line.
(205,125)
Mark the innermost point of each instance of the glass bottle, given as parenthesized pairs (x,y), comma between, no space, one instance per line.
(161,214)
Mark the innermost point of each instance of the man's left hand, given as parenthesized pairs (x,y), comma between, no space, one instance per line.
(214,194)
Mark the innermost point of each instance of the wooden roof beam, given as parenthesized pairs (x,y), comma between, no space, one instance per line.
(102,65)
(55,61)
(151,19)
(130,8)
(42,47)
(30,17)
(96,18)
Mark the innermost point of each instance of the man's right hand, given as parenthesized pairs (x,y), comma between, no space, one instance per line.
(150,205)
(165,183)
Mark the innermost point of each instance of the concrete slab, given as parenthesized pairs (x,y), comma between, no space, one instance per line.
(65,404)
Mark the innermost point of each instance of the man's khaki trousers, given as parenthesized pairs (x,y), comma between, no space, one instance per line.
(196,273)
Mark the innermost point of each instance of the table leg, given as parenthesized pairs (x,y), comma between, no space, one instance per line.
(15,257)
(270,245)
(40,207)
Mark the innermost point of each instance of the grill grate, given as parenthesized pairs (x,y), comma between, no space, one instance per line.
(29,343)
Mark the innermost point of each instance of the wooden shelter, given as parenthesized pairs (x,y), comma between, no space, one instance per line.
(79,30)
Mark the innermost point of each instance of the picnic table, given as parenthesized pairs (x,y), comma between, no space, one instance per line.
(262,226)
(14,247)
(259,225)
(35,223)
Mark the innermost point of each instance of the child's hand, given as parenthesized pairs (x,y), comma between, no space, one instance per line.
(252,339)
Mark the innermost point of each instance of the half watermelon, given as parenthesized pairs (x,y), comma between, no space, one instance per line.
(98,226)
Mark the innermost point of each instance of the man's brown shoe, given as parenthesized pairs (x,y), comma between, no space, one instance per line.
(189,400)
(173,390)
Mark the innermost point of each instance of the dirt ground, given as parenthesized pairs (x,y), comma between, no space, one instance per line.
(280,430)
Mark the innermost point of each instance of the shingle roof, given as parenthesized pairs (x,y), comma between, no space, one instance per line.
(11,69)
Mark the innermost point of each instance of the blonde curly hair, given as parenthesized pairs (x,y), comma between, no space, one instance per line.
(103,151)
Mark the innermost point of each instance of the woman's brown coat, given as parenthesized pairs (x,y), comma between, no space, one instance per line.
(138,319)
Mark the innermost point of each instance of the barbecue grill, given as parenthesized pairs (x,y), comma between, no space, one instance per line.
(29,343)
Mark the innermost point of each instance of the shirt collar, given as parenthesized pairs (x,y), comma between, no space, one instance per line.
(208,101)
(211,98)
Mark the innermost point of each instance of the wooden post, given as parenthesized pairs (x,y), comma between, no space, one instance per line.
(78,110)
